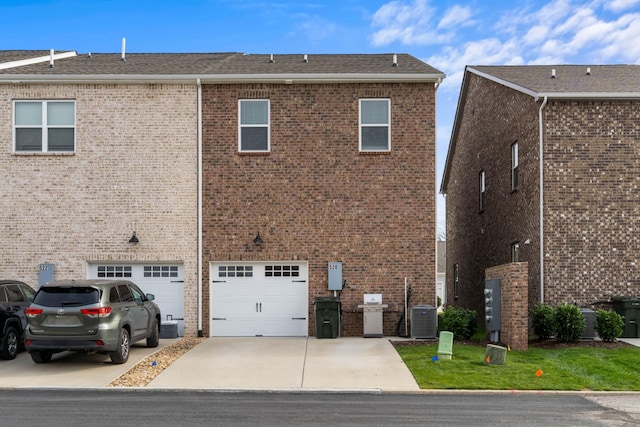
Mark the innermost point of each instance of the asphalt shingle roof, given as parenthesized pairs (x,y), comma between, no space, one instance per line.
(569,78)
(173,64)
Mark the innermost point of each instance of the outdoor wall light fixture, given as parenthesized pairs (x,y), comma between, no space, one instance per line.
(258,240)
(133,238)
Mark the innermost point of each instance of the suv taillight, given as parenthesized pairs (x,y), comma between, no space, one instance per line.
(96,312)
(32,312)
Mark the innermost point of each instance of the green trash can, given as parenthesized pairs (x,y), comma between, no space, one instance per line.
(629,307)
(327,314)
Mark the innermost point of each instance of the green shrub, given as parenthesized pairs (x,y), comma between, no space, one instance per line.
(609,325)
(461,321)
(544,321)
(570,323)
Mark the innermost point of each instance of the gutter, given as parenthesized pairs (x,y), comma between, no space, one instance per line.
(223,78)
(587,95)
(199,260)
(541,203)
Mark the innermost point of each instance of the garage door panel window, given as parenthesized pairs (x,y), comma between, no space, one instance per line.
(235,271)
(160,271)
(113,271)
(282,271)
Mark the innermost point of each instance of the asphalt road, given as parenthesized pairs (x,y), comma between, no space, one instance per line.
(141,408)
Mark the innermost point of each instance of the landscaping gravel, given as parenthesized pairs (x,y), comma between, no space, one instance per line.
(150,367)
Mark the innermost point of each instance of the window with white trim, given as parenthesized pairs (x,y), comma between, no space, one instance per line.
(253,118)
(44,126)
(456,280)
(515,252)
(483,188)
(112,271)
(514,166)
(375,125)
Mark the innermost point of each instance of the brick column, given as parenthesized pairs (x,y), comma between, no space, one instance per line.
(514,289)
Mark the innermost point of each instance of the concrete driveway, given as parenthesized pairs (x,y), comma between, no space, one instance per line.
(298,363)
(70,369)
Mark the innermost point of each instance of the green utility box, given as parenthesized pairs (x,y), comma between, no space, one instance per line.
(629,307)
(327,314)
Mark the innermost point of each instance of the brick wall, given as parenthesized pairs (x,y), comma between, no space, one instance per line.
(591,207)
(592,201)
(492,119)
(314,197)
(514,321)
(134,169)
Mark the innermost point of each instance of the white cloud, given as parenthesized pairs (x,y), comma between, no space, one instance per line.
(620,43)
(536,35)
(456,16)
(407,23)
(620,5)
(452,60)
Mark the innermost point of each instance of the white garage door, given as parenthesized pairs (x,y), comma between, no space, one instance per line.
(164,281)
(258,299)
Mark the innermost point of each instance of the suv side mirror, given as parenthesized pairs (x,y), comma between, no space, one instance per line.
(151,297)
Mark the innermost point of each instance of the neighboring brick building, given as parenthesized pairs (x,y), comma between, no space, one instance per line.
(585,121)
(125,142)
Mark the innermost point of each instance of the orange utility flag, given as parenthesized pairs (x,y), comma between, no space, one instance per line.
(539,373)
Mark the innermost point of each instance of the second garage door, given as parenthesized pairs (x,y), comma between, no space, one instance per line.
(258,299)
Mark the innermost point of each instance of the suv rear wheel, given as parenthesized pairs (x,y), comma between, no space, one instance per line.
(9,348)
(154,338)
(121,355)
(41,356)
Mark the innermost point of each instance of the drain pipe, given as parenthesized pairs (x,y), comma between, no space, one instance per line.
(541,148)
(199,261)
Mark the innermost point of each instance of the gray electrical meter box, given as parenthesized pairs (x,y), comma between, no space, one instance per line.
(335,276)
(45,273)
(492,308)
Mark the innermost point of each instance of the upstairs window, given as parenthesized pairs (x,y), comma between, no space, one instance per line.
(254,125)
(44,126)
(514,166)
(375,125)
(456,280)
(482,190)
(515,252)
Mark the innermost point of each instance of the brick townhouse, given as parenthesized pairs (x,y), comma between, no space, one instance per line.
(223,183)
(543,168)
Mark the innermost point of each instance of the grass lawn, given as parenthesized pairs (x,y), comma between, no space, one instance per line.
(579,368)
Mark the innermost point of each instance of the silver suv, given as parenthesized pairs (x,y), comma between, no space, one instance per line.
(105,316)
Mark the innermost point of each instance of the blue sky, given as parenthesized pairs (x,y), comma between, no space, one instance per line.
(446,34)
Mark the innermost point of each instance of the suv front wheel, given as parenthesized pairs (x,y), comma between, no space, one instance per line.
(121,355)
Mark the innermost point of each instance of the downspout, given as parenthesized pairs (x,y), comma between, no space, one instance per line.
(199,261)
(541,148)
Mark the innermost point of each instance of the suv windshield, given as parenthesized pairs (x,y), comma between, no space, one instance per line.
(65,297)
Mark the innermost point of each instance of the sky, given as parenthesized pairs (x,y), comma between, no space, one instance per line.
(447,35)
